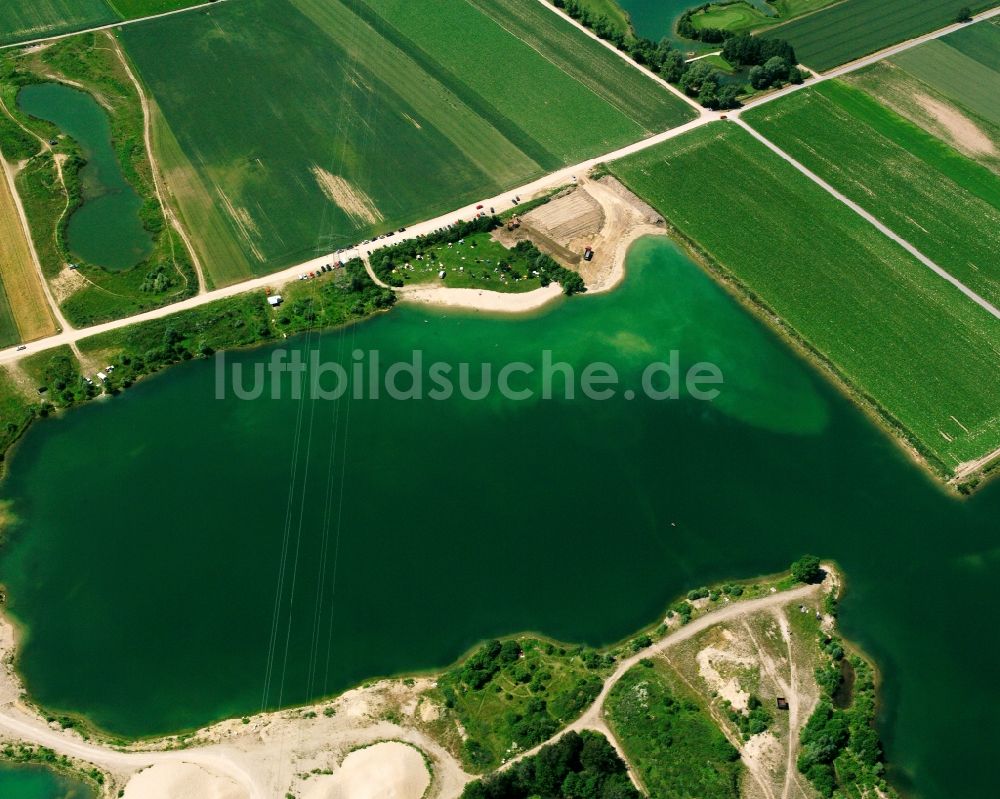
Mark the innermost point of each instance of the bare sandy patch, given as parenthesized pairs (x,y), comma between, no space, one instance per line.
(962,130)
(483,300)
(67,283)
(711,662)
(349,199)
(388,770)
(182,781)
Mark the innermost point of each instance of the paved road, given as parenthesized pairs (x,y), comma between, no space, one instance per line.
(500,202)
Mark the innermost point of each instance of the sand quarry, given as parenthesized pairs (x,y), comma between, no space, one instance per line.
(392,739)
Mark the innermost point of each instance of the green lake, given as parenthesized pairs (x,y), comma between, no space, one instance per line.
(161,530)
(655,19)
(106,229)
(37,782)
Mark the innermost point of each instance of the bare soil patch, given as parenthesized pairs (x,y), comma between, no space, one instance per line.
(349,199)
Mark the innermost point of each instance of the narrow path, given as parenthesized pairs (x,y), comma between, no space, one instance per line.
(158,187)
(883,229)
(120,23)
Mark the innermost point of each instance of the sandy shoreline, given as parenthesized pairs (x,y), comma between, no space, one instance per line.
(624,219)
(482,299)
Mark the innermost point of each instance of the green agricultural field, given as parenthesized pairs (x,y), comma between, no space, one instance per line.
(29,19)
(899,335)
(950,87)
(855,28)
(397,115)
(133,9)
(980,42)
(8,326)
(932,111)
(945,205)
(968,81)
(22,20)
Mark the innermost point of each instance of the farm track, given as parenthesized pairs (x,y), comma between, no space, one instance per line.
(501,202)
(883,229)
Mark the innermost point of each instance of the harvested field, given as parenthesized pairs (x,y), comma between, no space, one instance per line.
(24,310)
(898,335)
(409,124)
(854,28)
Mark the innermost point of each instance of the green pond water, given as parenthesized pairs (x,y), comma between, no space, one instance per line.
(160,531)
(106,229)
(36,782)
(655,19)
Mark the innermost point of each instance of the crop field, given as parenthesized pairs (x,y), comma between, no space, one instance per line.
(945,205)
(397,116)
(894,331)
(964,67)
(30,19)
(932,111)
(855,28)
(21,20)
(24,314)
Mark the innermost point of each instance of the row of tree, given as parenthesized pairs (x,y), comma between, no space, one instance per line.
(771,61)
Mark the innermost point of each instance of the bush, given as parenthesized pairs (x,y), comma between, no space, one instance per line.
(807,570)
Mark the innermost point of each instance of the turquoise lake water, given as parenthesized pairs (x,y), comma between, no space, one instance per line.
(160,531)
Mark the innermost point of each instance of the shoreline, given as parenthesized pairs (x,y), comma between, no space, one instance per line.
(951,484)
(244,751)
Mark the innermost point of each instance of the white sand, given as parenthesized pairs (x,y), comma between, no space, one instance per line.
(483,300)
(389,770)
(182,781)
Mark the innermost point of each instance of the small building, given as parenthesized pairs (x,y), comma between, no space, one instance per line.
(782,703)
(274,301)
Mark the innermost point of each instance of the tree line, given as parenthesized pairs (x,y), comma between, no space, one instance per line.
(772,62)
